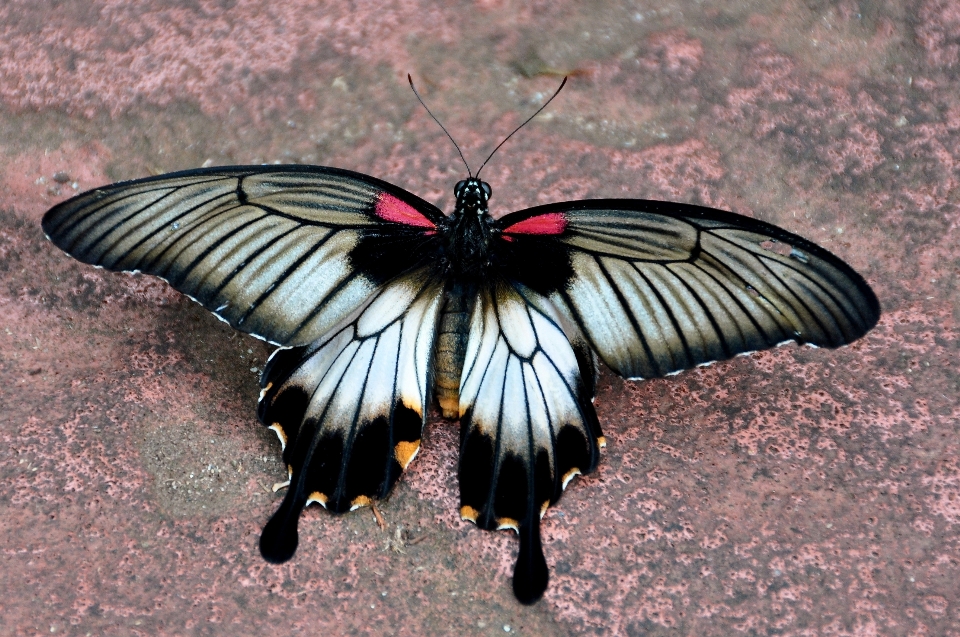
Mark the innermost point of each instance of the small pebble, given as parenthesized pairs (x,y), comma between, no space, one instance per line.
(61,177)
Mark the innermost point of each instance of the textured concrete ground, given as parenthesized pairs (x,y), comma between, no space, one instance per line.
(799,492)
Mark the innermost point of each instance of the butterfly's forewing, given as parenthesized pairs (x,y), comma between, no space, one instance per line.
(350,408)
(281,252)
(660,287)
(527,420)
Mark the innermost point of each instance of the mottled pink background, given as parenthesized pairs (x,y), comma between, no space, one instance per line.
(800,492)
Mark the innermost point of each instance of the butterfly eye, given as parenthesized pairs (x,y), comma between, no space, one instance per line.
(459,188)
(486,188)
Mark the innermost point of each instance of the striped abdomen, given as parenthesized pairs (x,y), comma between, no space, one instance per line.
(451,348)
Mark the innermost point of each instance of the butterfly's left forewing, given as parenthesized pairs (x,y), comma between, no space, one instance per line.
(527,420)
(349,408)
(280,252)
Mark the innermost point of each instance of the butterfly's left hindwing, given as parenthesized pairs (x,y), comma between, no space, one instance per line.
(527,420)
(349,409)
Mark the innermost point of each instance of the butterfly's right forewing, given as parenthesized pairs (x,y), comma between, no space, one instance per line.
(658,287)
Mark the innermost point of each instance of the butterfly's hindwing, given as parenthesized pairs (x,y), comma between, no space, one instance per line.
(527,420)
(350,408)
(278,252)
(658,287)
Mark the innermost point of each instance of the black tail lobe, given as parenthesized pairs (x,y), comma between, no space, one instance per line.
(279,539)
(530,574)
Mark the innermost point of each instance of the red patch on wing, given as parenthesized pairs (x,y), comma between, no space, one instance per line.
(390,208)
(549,223)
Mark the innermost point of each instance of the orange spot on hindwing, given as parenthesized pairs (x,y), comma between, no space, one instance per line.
(317,497)
(405,452)
(360,501)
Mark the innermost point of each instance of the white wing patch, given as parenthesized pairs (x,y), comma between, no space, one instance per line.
(265,249)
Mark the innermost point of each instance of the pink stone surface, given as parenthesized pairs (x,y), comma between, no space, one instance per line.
(796,492)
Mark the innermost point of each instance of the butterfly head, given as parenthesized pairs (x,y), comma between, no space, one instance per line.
(472,196)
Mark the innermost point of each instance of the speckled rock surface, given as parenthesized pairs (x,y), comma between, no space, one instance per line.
(796,492)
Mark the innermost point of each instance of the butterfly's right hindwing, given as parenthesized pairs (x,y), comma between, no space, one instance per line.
(527,420)
(283,253)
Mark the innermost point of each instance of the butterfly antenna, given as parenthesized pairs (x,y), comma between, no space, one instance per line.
(410,79)
(522,125)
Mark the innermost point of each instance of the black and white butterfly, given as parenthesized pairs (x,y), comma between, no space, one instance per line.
(380,303)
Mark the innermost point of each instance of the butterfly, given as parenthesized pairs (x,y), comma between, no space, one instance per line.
(381,304)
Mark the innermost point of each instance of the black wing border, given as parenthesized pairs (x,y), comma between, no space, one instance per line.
(432,212)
